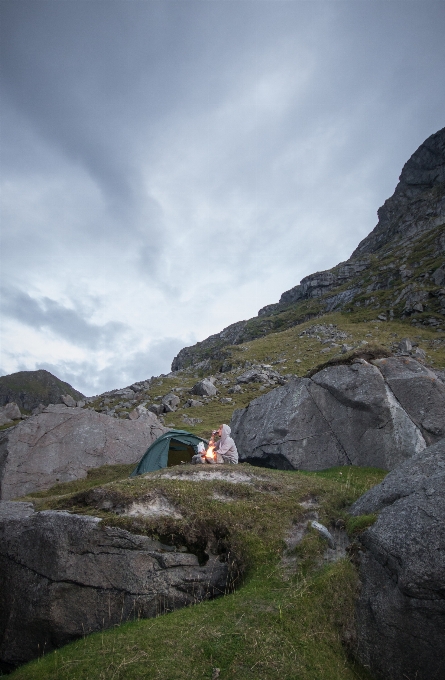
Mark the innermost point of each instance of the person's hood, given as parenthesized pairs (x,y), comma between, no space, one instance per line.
(225,433)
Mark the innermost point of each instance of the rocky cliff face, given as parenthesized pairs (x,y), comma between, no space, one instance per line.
(398,271)
(29,389)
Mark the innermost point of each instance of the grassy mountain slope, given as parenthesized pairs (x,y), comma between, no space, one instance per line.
(294,351)
(31,388)
(397,271)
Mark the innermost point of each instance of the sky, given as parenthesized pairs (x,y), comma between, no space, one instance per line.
(168,167)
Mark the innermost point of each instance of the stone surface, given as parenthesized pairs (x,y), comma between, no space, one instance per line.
(192,403)
(171,402)
(68,400)
(414,474)
(204,388)
(401,608)
(28,389)
(88,577)
(343,415)
(61,443)
(9,412)
(419,392)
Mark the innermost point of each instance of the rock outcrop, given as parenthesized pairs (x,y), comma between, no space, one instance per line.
(61,443)
(369,414)
(63,576)
(29,389)
(401,607)
(408,239)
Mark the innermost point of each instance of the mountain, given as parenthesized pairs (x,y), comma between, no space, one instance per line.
(30,388)
(396,272)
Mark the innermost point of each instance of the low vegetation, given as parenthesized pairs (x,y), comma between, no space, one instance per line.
(291,614)
(295,351)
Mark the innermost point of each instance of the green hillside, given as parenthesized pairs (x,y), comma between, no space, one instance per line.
(290,614)
(30,388)
(295,351)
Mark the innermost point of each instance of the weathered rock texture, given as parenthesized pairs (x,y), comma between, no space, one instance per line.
(359,414)
(63,576)
(401,608)
(61,443)
(408,239)
(31,388)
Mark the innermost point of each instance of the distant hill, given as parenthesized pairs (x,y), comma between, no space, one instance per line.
(31,388)
(396,272)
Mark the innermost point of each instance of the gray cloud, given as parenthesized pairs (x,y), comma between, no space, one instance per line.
(47,314)
(186,162)
(141,365)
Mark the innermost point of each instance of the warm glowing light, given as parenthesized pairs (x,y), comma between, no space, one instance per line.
(210,453)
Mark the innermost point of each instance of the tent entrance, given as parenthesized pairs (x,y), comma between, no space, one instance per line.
(179,453)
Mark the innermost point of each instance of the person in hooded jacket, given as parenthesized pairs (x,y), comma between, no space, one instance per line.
(225,449)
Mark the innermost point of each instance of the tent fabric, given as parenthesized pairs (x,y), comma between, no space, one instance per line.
(169,449)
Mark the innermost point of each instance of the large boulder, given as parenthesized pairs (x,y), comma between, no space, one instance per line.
(204,388)
(346,414)
(401,608)
(9,412)
(63,576)
(60,444)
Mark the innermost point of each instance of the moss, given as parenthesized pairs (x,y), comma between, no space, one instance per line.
(355,525)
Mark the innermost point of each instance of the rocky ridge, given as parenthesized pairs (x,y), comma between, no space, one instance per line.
(398,271)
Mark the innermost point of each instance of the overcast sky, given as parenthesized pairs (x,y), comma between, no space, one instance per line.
(170,167)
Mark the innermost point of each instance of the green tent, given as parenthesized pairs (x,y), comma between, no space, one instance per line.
(171,448)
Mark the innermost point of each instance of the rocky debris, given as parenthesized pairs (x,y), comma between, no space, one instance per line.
(171,402)
(190,421)
(193,403)
(60,444)
(39,409)
(226,400)
(9,413)
(28,389)
(138,412)
(261,374)
(344,414)
(68,400)
(236,389)
(204,388)
(89,577)
(419,392)
(401,608)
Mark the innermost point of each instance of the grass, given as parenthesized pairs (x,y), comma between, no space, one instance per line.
(296,623)
(302,356)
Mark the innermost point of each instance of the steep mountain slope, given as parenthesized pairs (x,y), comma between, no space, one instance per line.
(398,271)
(30,388)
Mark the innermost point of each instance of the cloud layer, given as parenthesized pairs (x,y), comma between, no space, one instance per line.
(171,167)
